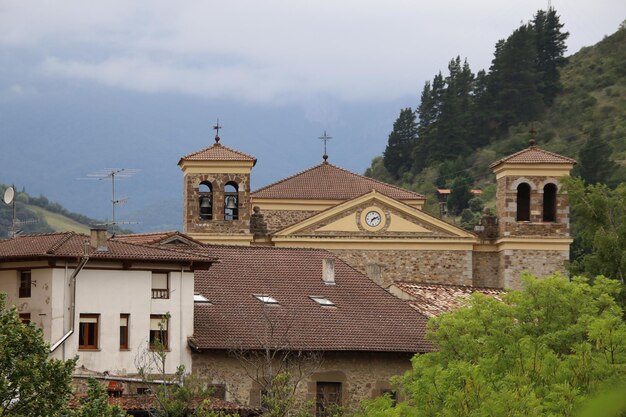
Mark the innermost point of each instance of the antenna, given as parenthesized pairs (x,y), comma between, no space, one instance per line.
(9,199)
(113,173)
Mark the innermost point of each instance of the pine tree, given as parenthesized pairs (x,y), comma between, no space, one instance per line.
(550,46)
(596,165)
(397,156)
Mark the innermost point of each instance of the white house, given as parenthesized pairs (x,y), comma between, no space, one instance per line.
(106,301)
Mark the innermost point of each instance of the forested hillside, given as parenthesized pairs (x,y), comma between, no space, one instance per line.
(464,121)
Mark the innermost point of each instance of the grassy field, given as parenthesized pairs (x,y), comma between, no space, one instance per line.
(60,223)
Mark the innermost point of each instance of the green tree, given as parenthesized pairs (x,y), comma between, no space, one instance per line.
(96,403)
(599,228)
(595,164)
(539,352)
(550,45)
(459,196)
(31,383)
(397,156)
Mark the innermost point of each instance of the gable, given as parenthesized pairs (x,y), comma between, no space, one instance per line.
(373,215)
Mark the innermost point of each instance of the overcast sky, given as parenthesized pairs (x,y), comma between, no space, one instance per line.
(91,84)
(273,51)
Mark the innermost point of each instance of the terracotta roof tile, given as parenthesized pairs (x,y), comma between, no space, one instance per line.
(217,152)
(434,299)
(534,155)
(155,238)
(329,182)
(71,245)
(365,316)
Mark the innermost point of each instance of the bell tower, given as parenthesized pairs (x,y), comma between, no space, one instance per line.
(217,194)
(533,214)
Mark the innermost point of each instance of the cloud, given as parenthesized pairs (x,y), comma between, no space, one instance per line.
(275,50)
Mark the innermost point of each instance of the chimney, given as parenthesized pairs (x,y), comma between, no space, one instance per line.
(328,271)
(98,239)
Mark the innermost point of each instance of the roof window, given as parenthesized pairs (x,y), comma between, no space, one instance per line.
(323,301)
(266,299)
(200,299)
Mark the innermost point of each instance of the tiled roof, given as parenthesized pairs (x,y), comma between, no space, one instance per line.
(365,316)
(434,299)
(218,152)
(534,155)
(155,238)
(71,245)
(148,402)
(329,182)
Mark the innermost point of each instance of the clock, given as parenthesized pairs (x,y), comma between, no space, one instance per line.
(373,218)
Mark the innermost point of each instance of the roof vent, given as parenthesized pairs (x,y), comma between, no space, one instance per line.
(98,239)
(328,271)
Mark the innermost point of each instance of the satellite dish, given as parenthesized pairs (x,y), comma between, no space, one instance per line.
(9,194)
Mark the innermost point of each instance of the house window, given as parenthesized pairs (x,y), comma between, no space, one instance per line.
(25,318)
(205,200)
(323,301)
(549,203)
(88,331)
(124,325)
(328,398)
(158,331)
(523,202)
(231,201)
(25,284)
(160,288)
(266,299)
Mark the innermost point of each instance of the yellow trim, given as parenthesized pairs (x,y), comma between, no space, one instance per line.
(383,218)
(559,244)
(222,239)
(311,205)
(369,243)
(345,224)
(216,167)
(398,224)
(382,199)
(542,170)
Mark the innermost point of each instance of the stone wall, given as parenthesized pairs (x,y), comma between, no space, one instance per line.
(485,267)
(506,203)
(540,263)
(279,219)
(192,221)
(361,374)
(435,266)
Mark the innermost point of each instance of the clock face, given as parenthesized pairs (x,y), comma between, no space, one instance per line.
(373,218)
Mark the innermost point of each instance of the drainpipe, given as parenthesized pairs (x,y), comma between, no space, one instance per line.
(180,321)
(79,267)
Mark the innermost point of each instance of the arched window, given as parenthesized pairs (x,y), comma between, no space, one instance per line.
(205,200)
(549,203)
(231,201)
(523,202)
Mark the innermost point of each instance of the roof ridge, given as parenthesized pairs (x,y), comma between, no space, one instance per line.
(340,169)
(531,148)
(218,145)
(65,237)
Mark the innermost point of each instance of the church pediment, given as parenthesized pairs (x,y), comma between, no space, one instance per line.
(376,215)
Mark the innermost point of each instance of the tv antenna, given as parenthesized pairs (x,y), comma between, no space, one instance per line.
(9,199)
(113,173)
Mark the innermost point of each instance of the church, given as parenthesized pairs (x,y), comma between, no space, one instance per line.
(380,229)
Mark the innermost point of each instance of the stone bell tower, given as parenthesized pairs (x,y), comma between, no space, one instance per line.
(533,214)
(217,194)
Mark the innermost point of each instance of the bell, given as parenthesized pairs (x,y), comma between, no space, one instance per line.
(231,202)
(205,202)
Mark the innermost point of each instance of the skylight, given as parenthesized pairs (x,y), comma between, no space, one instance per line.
(323,301)
(199,298)
(266,299)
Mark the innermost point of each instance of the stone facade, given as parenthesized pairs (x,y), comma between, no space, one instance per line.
(362,375)
(218,224)
(506,203)
(486,269)
(541,263)
(435,266)
(279,219)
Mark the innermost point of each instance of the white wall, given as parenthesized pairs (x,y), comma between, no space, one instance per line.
(108,293)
